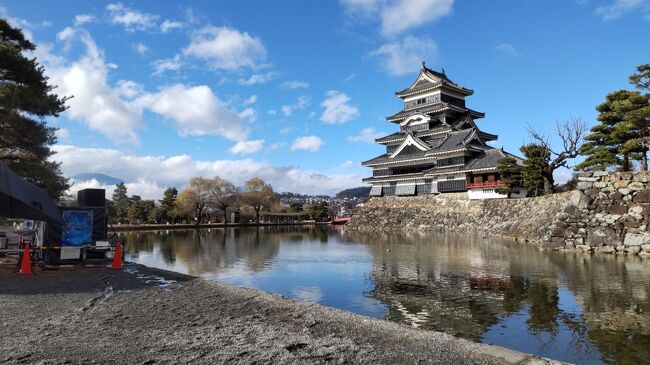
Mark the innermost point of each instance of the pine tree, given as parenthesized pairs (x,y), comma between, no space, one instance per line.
(536,163)
(640,119)
(26,99)
(121,202)
(167,205)
(510,171)
(621,136)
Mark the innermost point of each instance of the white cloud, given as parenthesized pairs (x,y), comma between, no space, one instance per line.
(251,100)
(277,145)
(618,8)
(366,135)
(507,50)
(272,112)
(197,111)
(95,102)
(143,188)
(337,109)
(141,48)
(226,48)
(82,19)
(148,176)
(397,16)
(308,143)
(132,20)
(246,147)
(62,135)
(167,64)
(402,15)
(405,56)
(295,84)
(362,9)
(347,164)
(249,114)
(258,79)
(301,103)
(285,130)
(168,25)
(129,89)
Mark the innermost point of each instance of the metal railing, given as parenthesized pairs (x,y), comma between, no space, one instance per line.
(487,184)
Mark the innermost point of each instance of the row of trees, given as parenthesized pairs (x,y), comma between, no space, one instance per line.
(621,137)
(205,199)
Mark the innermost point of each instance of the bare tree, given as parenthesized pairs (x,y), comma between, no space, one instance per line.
(223,194)
(257,194)
(571,133)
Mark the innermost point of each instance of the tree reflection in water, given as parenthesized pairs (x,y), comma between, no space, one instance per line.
(472,287)
(572,307)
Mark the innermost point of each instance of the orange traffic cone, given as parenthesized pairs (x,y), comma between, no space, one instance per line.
(117,257)
(26,262)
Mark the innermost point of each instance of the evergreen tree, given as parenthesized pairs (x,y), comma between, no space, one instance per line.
(121,202)
(641,79)
(319,211)
(618,139)
(510,171)
(536,161)
(26,99)
(641,117)
(167,205)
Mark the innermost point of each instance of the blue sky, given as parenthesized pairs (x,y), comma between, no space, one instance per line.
(296,91)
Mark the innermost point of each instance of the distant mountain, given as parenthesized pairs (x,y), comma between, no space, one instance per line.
(360,192)
(101,178)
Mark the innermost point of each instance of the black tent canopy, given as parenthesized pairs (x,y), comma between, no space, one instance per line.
(22,199)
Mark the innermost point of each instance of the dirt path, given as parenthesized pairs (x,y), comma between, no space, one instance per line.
(145,316)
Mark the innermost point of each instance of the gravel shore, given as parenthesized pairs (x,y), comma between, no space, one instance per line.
(141,315)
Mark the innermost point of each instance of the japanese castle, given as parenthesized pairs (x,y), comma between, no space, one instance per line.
(438,148)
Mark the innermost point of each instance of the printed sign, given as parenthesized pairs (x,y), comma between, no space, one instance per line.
(70,253)
(77,228)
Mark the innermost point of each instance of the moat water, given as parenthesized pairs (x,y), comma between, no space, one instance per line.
(571,307)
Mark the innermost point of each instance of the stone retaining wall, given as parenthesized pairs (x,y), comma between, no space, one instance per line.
(616,217)
(607,213)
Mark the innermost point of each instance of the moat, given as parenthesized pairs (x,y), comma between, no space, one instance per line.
(580,308)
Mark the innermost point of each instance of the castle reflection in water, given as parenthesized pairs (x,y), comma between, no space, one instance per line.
(572,307)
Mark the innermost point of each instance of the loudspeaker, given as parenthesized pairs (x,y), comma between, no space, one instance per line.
(91,198)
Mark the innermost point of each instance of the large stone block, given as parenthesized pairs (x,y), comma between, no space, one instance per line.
(636,186)
(590,179)
(584,185)
(579,199)
(621,184)
(642,196)
(636,239)
(642,177)
(618,209)
(602,237)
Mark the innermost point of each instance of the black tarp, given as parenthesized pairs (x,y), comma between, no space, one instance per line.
(22,199)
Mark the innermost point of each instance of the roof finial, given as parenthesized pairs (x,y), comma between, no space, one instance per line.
(424,64)
(443,71)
